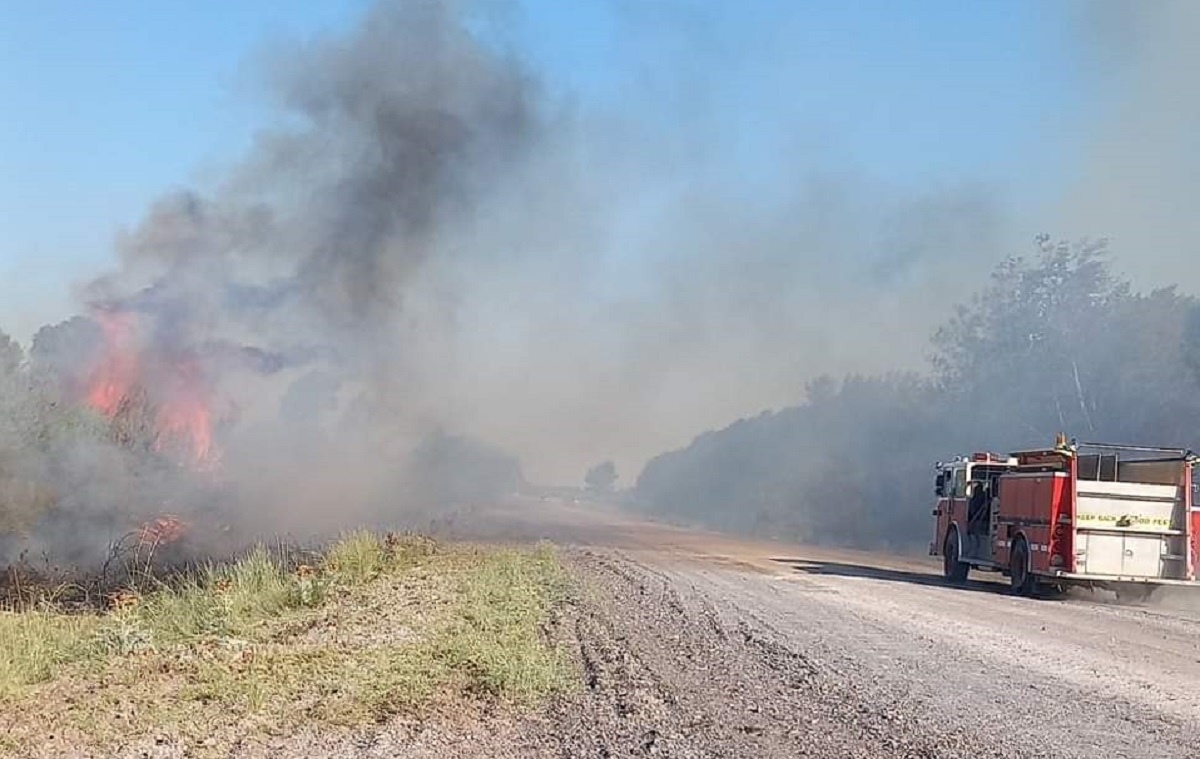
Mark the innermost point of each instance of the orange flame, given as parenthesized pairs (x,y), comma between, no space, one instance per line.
(183,417)
(165,529)
(114,377)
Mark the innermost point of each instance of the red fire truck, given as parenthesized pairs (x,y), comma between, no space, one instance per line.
(1116,517)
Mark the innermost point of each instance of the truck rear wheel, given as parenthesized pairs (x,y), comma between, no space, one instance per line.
(1021,581)
(953,569)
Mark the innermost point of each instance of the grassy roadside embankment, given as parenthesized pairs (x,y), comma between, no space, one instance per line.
(379,627)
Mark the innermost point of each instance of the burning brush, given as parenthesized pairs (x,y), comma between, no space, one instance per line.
(170,385)
(158,396)
(163,530)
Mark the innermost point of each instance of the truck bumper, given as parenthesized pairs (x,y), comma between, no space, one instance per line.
(1083,578)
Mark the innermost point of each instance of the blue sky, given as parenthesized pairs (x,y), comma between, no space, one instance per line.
(108,104)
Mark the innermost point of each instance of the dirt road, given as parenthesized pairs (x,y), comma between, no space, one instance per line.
(693,644)
(697,645)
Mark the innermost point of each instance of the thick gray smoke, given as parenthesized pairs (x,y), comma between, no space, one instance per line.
(316,252)
(426,224)
(278,325)
(393,136)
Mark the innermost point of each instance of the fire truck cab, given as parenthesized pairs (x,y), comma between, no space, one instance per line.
(1098,515)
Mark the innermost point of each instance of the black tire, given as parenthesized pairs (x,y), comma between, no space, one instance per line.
(953,570)
(1022,582)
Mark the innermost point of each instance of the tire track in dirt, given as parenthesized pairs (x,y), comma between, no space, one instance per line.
(671,675)
(991,665)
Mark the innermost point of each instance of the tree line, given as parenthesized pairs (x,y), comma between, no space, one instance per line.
(1055,341)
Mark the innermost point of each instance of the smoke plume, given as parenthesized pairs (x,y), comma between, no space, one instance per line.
(426,241)
(460,249)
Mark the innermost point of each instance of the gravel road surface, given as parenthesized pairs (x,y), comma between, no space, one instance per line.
(698,645)
(827,659)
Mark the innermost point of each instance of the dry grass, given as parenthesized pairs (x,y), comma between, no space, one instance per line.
(495,634)
(383,626)
(36,644)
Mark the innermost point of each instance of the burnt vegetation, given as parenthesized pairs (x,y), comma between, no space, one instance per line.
(1057,341)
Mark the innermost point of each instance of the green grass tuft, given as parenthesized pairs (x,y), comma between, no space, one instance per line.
(358,557)
(35,644)
(496,637)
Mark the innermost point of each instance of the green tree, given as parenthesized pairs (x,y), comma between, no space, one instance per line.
(601,478)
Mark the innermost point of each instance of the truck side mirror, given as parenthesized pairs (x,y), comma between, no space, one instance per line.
(940,485)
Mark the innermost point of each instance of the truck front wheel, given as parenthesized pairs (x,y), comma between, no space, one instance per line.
(953,569)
